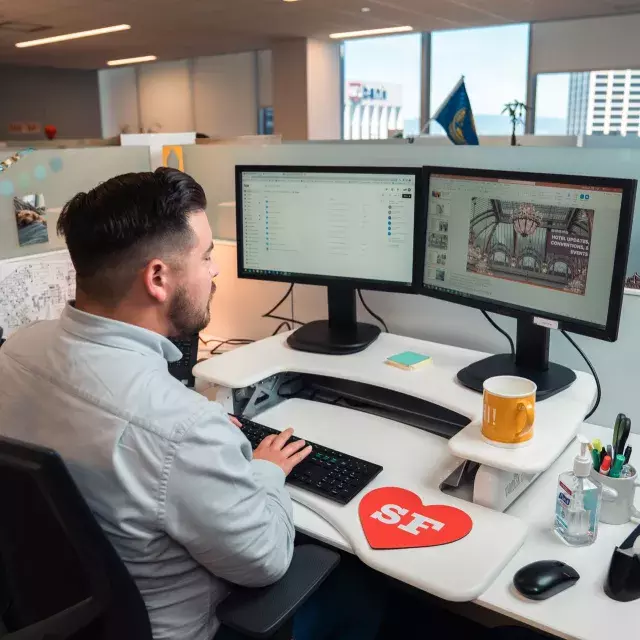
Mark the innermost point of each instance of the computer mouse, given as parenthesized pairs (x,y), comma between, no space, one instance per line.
(543,579)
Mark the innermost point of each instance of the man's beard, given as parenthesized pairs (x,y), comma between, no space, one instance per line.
(185,316)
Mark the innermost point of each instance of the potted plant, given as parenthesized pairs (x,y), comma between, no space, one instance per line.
(516,111)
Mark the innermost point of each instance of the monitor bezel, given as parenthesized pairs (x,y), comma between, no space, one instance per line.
(322,280)
(608,332)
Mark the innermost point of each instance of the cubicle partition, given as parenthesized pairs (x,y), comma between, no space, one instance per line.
(56,175)
(238,308)
(36,274)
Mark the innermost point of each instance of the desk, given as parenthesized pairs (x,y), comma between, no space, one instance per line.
(581,613)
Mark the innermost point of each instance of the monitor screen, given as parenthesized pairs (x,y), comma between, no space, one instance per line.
(324,224)
(543,246)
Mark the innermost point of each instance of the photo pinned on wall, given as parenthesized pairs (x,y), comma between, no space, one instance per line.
(30,212)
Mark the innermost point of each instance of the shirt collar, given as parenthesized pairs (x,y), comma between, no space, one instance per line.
(120,335)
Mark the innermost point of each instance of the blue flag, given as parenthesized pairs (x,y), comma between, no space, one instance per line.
(456,117)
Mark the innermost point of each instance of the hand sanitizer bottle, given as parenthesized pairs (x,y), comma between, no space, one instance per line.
(578,501)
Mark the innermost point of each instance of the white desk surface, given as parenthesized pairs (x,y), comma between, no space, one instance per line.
(582,612)
(415,460)
(557,419)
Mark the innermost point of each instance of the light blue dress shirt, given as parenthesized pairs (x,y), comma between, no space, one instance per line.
(169,478)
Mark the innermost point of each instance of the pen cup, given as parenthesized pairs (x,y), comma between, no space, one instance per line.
(618,498)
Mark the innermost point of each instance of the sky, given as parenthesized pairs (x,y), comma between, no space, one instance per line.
(492,59)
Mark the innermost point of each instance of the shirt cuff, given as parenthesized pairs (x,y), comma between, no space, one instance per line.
(268,472)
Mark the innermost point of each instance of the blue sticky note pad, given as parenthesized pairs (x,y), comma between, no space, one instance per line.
(408,360)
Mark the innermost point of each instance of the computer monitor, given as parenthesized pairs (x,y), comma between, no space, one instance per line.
(549,250)
(347,228)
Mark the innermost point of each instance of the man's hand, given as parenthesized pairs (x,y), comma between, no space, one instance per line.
(235,421)
(273,449)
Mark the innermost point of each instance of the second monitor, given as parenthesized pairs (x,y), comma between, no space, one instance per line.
(345,228)
(549,250)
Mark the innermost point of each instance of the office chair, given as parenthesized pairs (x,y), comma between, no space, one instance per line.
(61,578)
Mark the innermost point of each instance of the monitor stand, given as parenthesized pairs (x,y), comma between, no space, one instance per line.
(531,361)
(341,334)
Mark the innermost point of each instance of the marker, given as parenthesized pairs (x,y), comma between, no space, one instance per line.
(595,456)
(597,444)
(603,455)
(606,466)
(610,451)
(617,466)
(627,454)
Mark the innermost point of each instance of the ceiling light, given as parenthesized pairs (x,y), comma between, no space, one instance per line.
(365,9)
(73,36)
(115,63)
(289,0)
(369,32)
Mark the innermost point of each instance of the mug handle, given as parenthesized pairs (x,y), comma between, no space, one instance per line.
(526,408)
(635,514)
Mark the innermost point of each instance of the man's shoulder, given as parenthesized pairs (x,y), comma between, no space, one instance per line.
(34,329)
(31,337)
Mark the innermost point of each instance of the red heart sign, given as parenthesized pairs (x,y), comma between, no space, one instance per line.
(394,518)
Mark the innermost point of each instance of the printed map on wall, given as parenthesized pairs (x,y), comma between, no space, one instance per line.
(34,288)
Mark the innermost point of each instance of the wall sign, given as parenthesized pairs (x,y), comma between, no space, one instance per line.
(395,518)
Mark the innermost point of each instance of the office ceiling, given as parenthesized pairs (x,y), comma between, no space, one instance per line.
(173,29)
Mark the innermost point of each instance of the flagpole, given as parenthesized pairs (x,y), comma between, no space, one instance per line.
(446,100)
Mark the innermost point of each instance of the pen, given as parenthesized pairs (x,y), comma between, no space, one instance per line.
(625,430)
(616,432)
(610,451)
(606,466)
(627,454)
(617,466)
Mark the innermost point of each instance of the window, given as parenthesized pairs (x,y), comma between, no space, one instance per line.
(491,77)
(562,96)
(382,86)
(552,115)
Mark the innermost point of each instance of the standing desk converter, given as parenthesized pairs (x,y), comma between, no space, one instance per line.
(255,379)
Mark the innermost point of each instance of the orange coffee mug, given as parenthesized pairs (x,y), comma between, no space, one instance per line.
(508,411)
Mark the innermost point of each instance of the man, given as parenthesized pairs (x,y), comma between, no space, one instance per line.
(170,478)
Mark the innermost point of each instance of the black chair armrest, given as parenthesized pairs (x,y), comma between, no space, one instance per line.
(259,613)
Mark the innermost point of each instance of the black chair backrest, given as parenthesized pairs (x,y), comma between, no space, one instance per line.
(59,574)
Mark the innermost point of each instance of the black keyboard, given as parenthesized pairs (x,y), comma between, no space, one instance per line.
(328,473)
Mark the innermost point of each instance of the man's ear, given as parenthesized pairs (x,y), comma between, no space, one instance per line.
(156,280)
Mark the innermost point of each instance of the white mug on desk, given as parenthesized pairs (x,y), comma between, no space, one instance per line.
(617,498)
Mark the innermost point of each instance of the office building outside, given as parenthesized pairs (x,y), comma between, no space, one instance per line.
(372,110)
(604,103)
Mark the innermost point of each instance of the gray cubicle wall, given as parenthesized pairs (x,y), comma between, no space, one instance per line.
(58,174)
(618,364)
(213,166)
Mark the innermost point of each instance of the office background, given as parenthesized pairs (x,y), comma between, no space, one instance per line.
(309,82)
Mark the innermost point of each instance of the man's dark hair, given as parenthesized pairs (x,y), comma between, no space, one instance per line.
(115,229)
